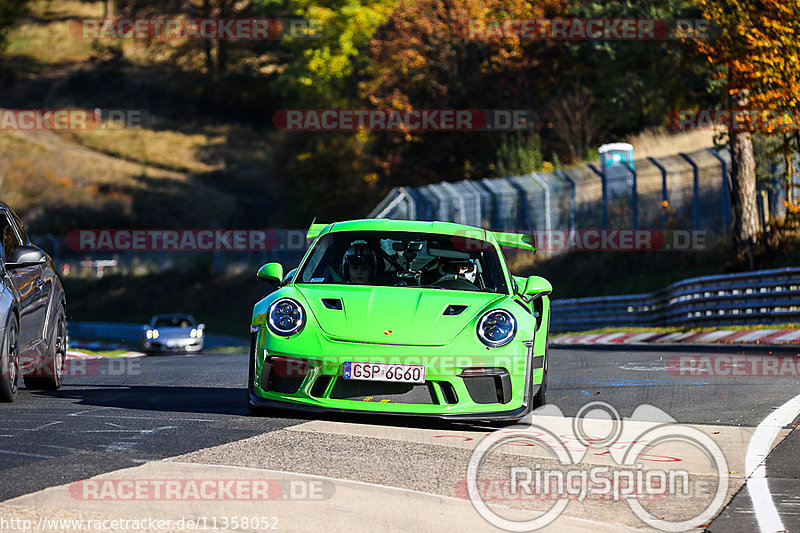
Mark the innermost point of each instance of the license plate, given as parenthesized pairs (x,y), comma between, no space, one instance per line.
(384,372)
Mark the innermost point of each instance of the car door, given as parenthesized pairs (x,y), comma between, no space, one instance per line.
(43,287)
(26,281)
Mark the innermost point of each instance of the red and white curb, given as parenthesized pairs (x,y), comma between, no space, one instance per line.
(723,336)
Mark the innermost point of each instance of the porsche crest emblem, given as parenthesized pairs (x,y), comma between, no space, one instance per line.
(387,332)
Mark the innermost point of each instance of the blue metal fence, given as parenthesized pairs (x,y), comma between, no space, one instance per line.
(687,191)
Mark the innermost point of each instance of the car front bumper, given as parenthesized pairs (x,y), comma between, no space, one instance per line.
(316,384)
(189,345)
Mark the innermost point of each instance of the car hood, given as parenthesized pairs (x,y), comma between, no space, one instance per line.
(392,315)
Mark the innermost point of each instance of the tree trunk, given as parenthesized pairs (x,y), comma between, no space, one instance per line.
(207,45)
(743,192)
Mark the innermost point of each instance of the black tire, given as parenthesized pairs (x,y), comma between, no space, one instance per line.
(540,398)
(9,362)
(251,374)
(51,369)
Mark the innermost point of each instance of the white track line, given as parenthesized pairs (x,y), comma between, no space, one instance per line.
(769,521)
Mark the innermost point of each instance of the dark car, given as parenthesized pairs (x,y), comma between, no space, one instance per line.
(33,327)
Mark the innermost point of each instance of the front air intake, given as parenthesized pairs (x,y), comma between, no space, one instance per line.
(487,385)
(454,309)
(332,303)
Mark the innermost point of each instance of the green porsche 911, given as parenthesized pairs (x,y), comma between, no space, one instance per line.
(402,317)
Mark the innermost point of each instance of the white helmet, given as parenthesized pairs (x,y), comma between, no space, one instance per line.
(455,268)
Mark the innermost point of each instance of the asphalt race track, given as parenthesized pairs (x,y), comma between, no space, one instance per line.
(185,418)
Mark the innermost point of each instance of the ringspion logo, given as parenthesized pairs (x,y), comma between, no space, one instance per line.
(564,476)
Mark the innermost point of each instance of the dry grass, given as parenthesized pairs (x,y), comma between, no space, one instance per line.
(57,186)
(56,9)
(45,36)
(171,150)
(661,143)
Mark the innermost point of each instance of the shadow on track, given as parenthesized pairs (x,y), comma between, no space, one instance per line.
(225,401)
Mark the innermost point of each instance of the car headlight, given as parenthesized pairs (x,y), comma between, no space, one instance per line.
(155,333)
(193,333)
(285,317)
(149,333)
(497,328)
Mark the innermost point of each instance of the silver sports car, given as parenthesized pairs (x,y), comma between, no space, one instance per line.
(172,333)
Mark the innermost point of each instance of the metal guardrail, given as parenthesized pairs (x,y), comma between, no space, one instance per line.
(759,297)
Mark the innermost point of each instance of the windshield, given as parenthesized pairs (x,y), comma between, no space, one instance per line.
(173,322)
(403,259)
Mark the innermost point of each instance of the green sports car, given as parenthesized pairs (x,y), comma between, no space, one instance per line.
(402,317)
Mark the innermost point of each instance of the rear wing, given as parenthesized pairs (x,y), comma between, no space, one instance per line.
(315,230)
(515,240)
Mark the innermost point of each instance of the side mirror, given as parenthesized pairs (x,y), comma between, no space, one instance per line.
(288,278)
(536,287)
(25,255)
(201,326)
(272,272)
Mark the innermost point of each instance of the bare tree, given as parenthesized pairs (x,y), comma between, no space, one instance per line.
(573,121)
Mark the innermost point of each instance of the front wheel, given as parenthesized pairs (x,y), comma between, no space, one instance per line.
(251,376)
(540,398)
(9,362)
(50,373)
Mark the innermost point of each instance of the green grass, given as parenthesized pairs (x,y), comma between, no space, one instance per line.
(105,353)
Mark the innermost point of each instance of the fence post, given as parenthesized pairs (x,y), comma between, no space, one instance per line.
(696,203)
(635,201)
(548,220)
(726,196)
(571,198)
(664,197)
(604,201)
(523,215)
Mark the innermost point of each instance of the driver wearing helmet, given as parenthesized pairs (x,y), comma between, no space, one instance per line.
(465,269)
(359,264)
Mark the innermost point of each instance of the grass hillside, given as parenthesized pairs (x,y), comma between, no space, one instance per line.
(182,169)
